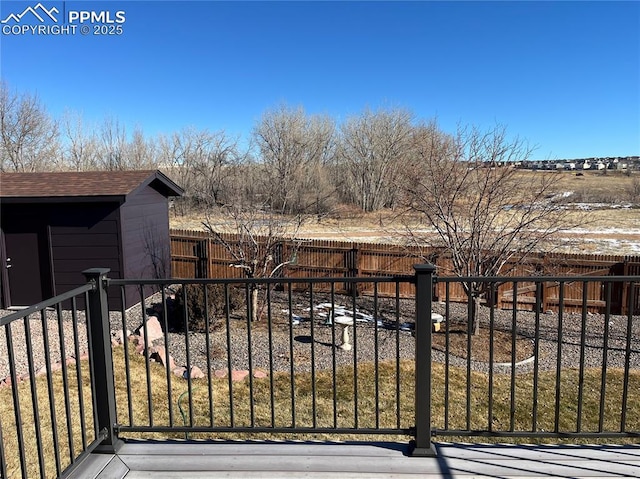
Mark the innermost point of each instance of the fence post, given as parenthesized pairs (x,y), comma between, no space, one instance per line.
(102,360)
(422,446)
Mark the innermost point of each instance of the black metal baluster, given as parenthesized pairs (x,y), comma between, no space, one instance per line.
(16,397)
(583,332)
(536,357)
(333,354)
(92,372)
(471,307)
(147,344)
(188,353)
(127,366)
(398,366)
(165,320)
(314,402)
(627,358)
(52,402)
(376,359)
(76,346)
(250,312)
(271,383)
(512,392)
(447,319)
(491,345)
(605,354)
(559,357)
(207,325)
(354,291)
(229,352)
(65,382)
(291,360)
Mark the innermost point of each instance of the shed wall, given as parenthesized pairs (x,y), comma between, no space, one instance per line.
(145,238)
(83,236)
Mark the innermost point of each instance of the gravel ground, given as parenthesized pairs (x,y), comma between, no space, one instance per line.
(298,338)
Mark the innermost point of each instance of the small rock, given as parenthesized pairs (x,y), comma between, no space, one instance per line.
(239,375)
(259,374)
(196,373)
(220,373)
(181,371)
(71,361)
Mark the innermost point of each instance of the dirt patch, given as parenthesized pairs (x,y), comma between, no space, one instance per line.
(481,344)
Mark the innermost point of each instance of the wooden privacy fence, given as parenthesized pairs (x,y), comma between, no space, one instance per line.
(195,254)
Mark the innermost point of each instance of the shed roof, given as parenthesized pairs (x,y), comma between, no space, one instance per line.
(83,184)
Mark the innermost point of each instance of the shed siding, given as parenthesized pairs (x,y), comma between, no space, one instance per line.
(82,237)
(145,234)
(145,230)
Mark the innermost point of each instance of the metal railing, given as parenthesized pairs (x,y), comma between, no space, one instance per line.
(296,344)
(580,379)
(51,415)
(399,369)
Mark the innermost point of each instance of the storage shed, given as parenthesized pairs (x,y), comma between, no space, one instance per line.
(53,226)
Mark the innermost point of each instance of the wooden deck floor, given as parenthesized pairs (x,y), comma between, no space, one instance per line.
(138,460)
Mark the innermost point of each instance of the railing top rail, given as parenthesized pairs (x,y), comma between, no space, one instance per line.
(533,279)
(374,279)
(290,280)
(46,304)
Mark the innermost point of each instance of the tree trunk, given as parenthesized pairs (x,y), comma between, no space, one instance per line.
(476,316)
(254,303)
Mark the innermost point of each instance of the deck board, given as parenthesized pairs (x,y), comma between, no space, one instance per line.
(312,460)
(91,466)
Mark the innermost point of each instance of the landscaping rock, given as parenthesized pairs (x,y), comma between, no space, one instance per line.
(154,331)
(159,354)
(239,375)
(196,373)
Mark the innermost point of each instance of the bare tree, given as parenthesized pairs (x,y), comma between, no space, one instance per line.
(29,135)
(140,152)
(81,148)
(295,149)
(484,212)
(257,245)
(633,190)
(200,161)
(113,145)
(372,152)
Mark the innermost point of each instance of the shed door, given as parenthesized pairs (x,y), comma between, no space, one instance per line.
(29,273)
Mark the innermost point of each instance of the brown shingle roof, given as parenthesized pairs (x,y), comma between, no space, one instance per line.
(76,184)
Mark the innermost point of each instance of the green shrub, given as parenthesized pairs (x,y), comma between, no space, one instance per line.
(195,305)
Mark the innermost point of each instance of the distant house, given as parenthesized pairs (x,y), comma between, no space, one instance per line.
(55,225)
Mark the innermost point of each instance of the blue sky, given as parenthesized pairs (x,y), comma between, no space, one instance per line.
(563,75)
